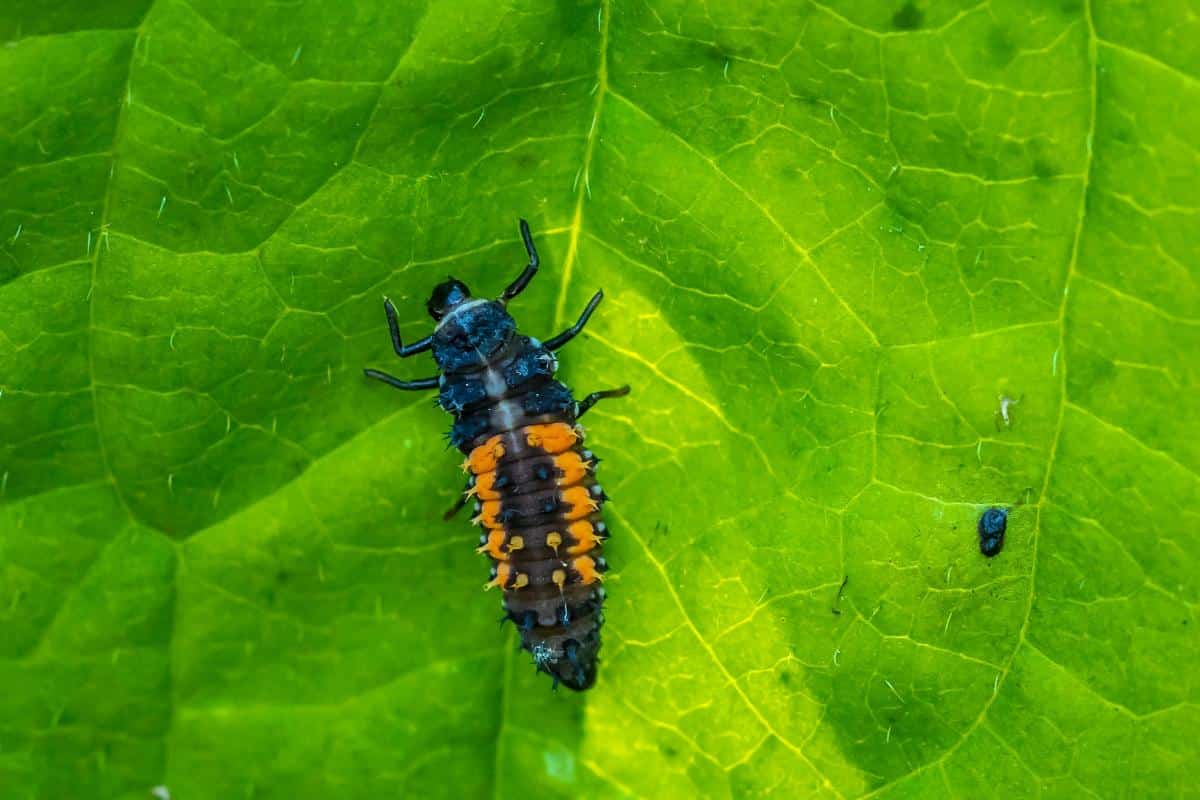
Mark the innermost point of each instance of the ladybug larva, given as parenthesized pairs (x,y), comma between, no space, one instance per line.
(530,477)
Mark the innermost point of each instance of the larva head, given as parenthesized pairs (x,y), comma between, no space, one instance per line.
(469,332)
(446,296)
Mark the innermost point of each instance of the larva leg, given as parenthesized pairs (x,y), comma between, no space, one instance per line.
(573,331)
(392,380)
(596,397)
(518,286)
(403,350)
(458,504)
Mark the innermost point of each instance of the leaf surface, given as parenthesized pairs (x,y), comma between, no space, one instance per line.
(870,268)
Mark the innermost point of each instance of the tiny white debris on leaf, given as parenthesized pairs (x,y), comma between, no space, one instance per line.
(161,792)
(161,206)
(836,654)
(296,55)
(1006,403)
(482,111)
(1054,364)
(17,235)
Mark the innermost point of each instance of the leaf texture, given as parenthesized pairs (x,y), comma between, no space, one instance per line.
(835,239)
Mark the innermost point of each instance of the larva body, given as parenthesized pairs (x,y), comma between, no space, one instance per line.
(530,477)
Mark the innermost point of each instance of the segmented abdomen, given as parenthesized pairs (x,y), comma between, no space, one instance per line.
(537,503)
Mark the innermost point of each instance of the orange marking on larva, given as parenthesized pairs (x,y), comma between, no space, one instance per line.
(503,571)
(553,437)
(586,568)
(494,546)
(487,514)
(483,486)
(584,534)
(485,457)
(579,502)
(572,466)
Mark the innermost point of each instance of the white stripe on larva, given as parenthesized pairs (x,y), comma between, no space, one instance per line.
(456,309)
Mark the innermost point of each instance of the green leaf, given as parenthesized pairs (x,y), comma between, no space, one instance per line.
(832,238)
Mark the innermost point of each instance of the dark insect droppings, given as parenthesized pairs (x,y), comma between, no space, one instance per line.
(992,525)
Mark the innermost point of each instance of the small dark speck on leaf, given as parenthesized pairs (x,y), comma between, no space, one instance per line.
(718,55)
(1000,47)
(1044,170)
(992,525)
(908,18)
(838,600)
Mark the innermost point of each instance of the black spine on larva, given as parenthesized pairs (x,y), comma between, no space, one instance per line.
(496,383)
